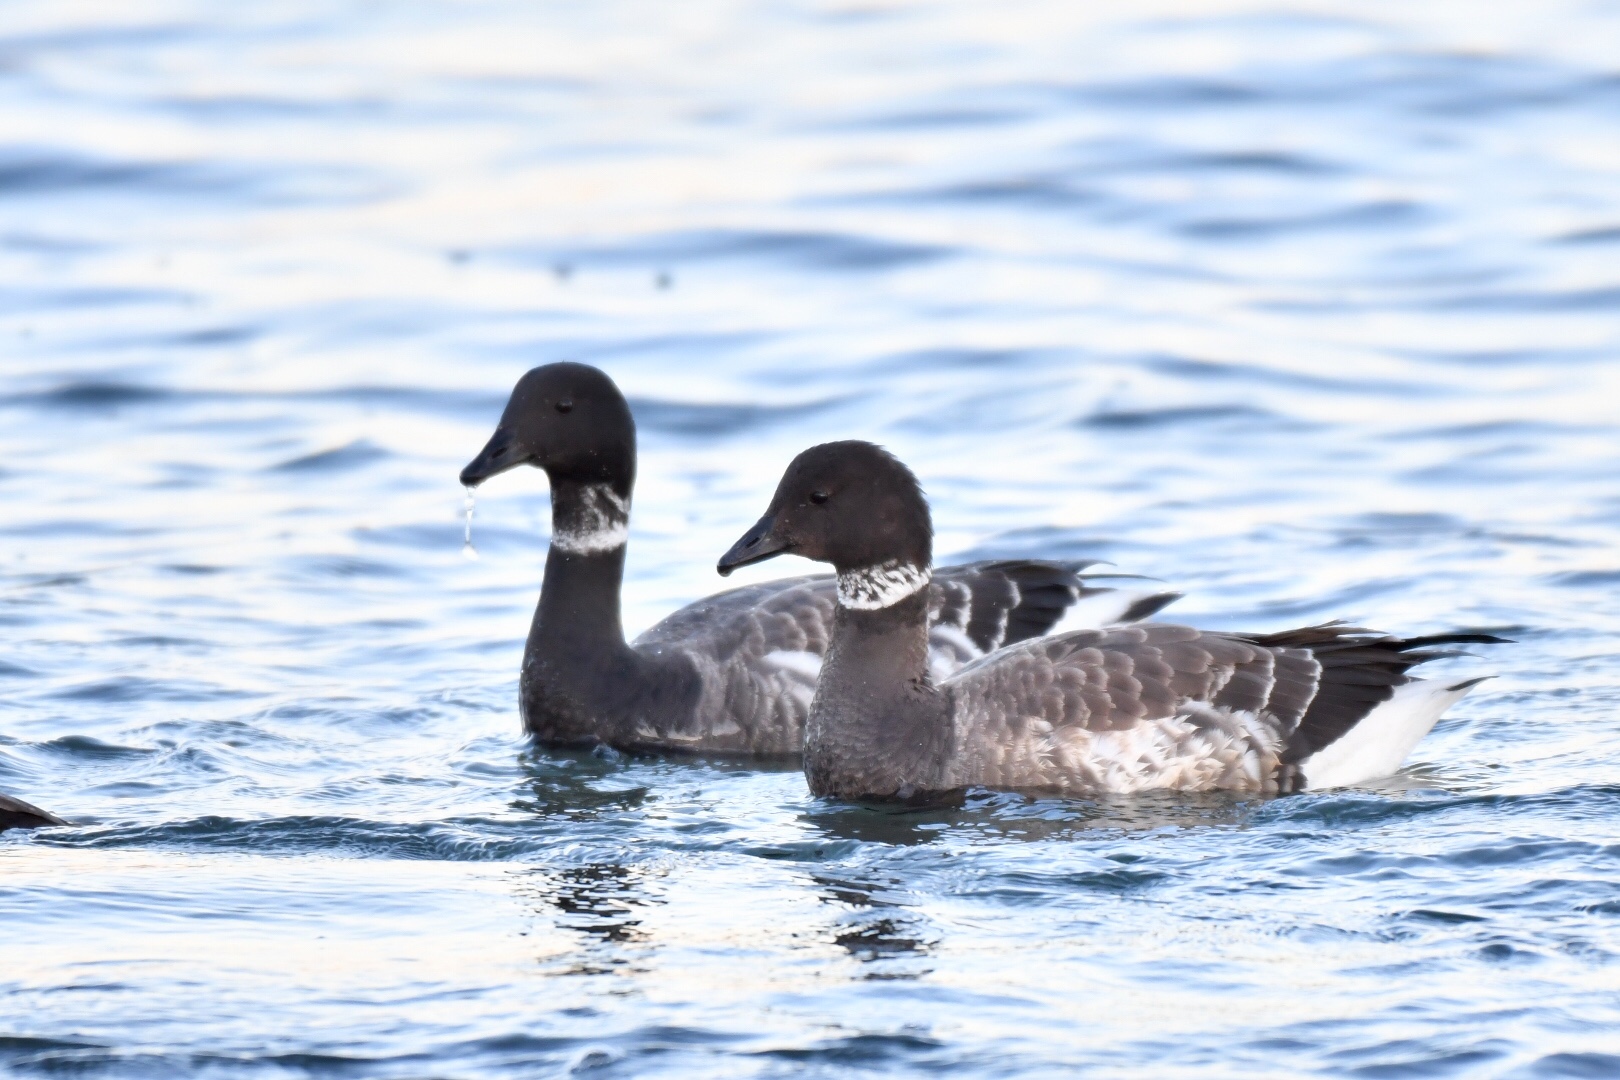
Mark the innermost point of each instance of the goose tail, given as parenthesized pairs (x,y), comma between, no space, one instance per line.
(1380,742)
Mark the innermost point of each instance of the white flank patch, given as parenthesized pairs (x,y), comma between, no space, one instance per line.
(1379,744)
(602,524)
(881,586)
(802,668)
(799,661)
(1218,749)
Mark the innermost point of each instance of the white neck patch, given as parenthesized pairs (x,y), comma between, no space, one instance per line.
(601,524)
(882,585)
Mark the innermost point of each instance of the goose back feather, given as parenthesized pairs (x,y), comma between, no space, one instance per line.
(758,650)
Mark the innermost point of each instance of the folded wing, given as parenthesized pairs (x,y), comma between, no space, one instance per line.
(758,649)
(1151,706)
(1129,709)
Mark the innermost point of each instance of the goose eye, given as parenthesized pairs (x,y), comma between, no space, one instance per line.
(565,404)
(819,497)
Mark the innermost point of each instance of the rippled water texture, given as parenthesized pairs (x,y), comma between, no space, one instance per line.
(1309,312)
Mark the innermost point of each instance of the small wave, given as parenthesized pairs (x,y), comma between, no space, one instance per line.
(1147,419)
(54,172)
(957,359)
(1172,93)
(94,395)
(1117,880)
(871,1051)
(817,250)
(1223,371)
(85,748)
(454,840)
(185,570)
(128,688)
(35,301)
(1605,298)
(97,394)
(71,527)
(354,455)
(1602,234)
(1284,162)
(344,566)
(925,118)
(1585,579)
(33,1054)
(1570,1066)
(1352,808)
(1446,918)
(1389,212)
(1384,523)
(1042,542)
(1036,191)
(1451,432)
(720,418)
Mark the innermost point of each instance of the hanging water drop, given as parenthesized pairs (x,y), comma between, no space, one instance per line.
(467,549)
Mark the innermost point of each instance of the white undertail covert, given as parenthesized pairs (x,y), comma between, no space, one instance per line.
(1379,744)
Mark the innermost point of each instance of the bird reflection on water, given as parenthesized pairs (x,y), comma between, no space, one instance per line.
(602,904)
(1008,816)
(570,783)
(876,925)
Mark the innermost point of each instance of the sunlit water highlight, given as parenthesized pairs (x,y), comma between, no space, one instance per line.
(1310,312)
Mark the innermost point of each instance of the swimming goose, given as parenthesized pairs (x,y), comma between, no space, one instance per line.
(1116,710)
(731,674)
(16,814)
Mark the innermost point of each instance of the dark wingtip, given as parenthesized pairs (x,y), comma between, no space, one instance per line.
(1149,606)
(1462,637)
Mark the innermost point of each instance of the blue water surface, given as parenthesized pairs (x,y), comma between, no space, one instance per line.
(1310,310)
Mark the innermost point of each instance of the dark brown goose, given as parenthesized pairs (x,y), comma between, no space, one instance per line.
(731,674)
(1122,709)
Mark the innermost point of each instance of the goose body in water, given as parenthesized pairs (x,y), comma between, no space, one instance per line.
(16,814)
(1116,710)
(730,674)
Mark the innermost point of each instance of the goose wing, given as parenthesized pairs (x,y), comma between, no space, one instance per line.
(758,649)
(1128,709)
(1160,706)
(977,608)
